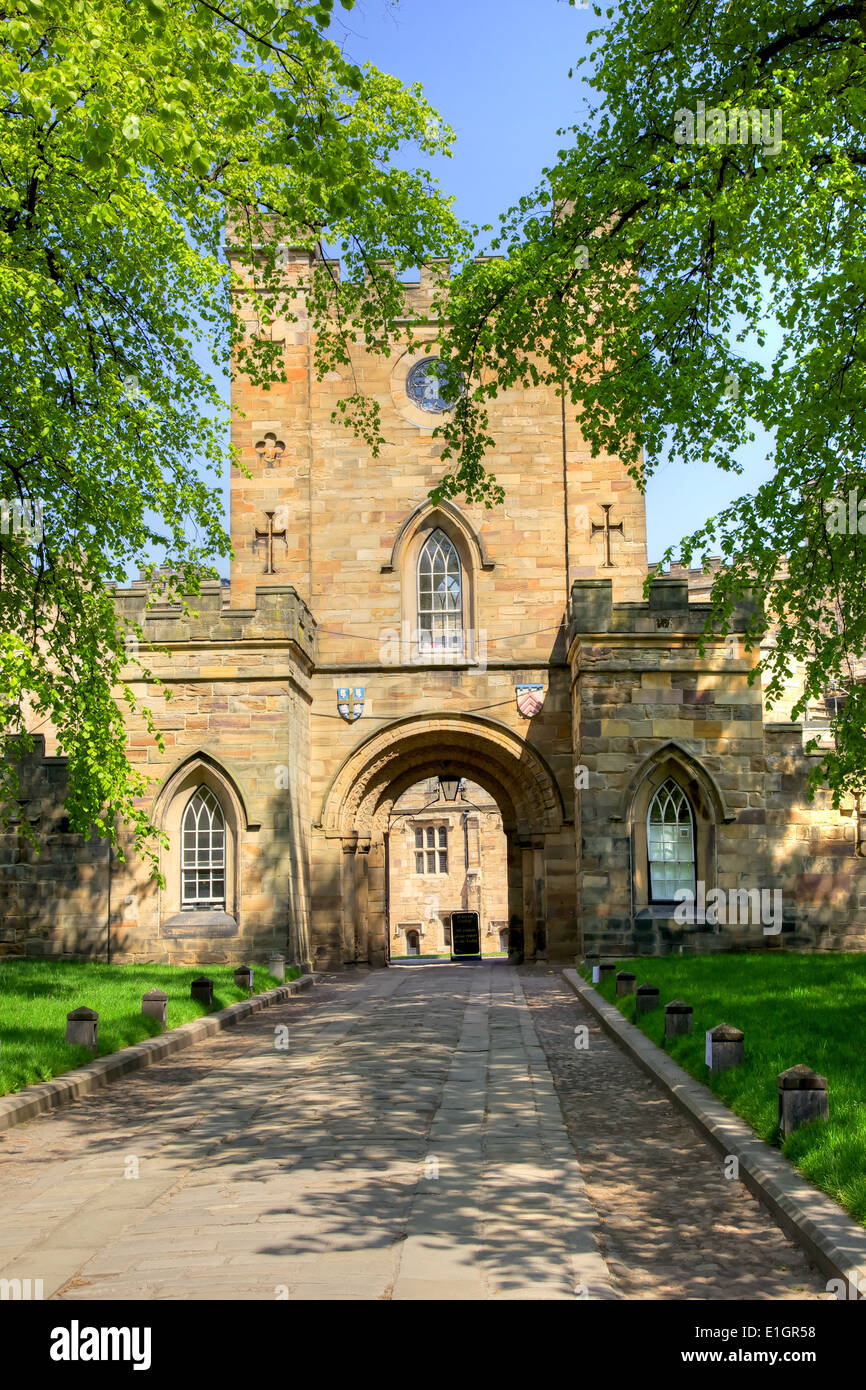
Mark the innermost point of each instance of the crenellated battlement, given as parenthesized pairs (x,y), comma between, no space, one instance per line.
(700,578)
(670,609)
(297,263)
(432,276)
(279,615)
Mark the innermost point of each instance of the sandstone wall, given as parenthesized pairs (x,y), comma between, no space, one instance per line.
(640,686)
(53,902)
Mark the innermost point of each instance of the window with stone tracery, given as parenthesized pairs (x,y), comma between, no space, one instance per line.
(203,858)
(670,834)
(440,596)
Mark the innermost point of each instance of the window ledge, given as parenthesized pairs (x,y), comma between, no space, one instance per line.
(682,914)
(207,924)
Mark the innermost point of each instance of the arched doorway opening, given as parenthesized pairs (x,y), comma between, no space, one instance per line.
(445,856)
(352,855)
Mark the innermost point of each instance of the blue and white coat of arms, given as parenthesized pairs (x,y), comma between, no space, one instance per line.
(350,703)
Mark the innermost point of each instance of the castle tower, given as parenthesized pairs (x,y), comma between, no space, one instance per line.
(399,694)
(270,509)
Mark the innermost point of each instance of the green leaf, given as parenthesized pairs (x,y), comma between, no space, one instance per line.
(165,121)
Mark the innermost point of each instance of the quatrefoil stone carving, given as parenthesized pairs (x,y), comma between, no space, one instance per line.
(270,450)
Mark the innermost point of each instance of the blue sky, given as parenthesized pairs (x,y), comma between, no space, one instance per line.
(497,71)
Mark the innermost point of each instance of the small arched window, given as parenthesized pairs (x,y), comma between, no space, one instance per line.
(440,596)
(670,836)
(203,861)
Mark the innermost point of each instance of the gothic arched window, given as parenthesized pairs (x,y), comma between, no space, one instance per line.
(670,837)
(440,596)
(203,860)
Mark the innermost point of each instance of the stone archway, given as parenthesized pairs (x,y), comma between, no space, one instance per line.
(350,859)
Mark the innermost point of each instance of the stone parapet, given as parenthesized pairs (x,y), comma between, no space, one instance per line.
(279,615)
(668,610)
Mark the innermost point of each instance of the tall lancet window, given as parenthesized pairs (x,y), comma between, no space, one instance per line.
(440,596)
(670,836)
(203,862)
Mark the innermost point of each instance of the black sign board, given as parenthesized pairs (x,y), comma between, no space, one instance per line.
(465,934)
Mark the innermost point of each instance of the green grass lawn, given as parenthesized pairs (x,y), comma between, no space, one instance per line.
(36,996)
(791,1008)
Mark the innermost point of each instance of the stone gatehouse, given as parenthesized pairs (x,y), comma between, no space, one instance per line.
(368,641)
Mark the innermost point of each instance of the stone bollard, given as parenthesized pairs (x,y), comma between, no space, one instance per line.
(725,1047)
(679,1018)
(154,1004)
(82,1028)
(243,978)
(277,965)
(605,971)
(802,1097)
(624,983)
(201,990)
(646,999)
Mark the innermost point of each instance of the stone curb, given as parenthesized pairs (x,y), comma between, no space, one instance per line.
(832,1239)
(48,1095)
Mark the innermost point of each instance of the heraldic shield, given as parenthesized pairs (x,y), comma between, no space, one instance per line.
(351,708)
(530,699)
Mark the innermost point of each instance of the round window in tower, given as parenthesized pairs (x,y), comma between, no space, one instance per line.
(433,386)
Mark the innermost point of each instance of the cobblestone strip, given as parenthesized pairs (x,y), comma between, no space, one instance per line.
(672,1226)
(828,1237)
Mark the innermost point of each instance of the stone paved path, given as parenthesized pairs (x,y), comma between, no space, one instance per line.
(672,1226)
(408,1144)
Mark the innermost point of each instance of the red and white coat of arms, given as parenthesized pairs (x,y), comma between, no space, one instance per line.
(530,698)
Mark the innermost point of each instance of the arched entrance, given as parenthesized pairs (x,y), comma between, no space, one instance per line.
(447,853)
(350,849)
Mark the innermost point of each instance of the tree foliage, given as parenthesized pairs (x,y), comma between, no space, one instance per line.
(133,133)
(715,198)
